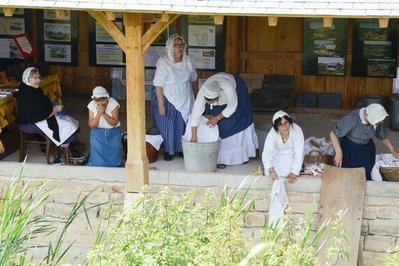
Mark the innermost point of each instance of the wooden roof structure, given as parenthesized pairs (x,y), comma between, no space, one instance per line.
(134,42)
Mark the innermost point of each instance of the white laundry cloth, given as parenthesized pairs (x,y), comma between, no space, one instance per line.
(318,144)
(205,134)
(154,140)
(382,160)
(278,202)
(66,124)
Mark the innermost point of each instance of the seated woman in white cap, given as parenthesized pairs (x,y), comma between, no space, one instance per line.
(283,151)
(224,100)
(352,138)
(105,133)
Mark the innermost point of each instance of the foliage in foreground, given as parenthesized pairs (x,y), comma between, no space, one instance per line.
(164,229)
(21,221)
(393,258)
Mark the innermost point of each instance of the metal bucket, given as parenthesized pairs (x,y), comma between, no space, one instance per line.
(200,157)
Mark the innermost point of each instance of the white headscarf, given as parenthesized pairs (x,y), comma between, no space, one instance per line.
(170,47)
(279,114)
(26,75)
(211,90)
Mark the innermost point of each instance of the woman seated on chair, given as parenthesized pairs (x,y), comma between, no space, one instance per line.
(37,114)
(105,133)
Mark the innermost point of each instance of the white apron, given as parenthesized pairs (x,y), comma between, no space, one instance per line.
(66,124)
(284,157)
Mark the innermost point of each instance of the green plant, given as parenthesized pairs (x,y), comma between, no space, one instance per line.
(392,259)
(164,229)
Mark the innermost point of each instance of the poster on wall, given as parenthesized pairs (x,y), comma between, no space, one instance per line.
(109,54)
(8,49)
(12,26)
(52,15)
(102,35)
(152,55)
(374,49)
(203,58)
(58,32)
(201,35)
(60,53)
(324,48)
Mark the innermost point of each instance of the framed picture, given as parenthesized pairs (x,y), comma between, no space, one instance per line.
(102,35)
(52,15)
(9,50)
(60,53)
(203,58)
(12,26)
(152,55)
(57,32)
(109,54)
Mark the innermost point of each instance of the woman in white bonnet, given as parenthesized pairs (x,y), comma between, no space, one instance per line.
(224,100)
(36,113)
(174,97)
(105,133)
(352,138)
(283,151)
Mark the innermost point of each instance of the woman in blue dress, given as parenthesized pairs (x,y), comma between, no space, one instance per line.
(105,133)
(224,100)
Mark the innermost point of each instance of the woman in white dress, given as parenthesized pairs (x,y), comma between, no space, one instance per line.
(283,151)
(224,100)
(173,99)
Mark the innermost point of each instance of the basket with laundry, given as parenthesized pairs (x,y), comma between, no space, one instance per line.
(318,152)
(386,168)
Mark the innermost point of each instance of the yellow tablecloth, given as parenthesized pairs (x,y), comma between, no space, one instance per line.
(50,86)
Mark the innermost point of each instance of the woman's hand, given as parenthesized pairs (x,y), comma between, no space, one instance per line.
(194,139)
(57,108)
(292,178)
(100,109)
(338,158)
(395,154)
(161,110)
(273,174)
(212,121)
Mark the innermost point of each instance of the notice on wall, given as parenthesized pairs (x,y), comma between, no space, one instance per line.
(152,55)
(201,35)
(203,58)
(109,54)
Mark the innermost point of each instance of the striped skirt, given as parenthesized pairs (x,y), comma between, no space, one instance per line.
(171,126)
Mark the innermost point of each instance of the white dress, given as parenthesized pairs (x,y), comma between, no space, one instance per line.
(285,157)
(175,80)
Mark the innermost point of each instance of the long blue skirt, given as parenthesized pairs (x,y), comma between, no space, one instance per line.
(241,119)
(358,155)
(171,126)
(105,147)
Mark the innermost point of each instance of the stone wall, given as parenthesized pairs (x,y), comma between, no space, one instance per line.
(380,224)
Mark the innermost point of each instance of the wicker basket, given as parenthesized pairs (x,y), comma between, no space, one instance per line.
(326,159)
(390,173)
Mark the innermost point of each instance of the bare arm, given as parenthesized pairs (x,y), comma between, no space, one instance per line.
(337,148)
(113,120)
(161,100)
(94,120)
(194,135)
(392,149)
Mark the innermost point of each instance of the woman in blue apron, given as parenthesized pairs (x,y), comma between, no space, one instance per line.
(105,133)
(224,100)
(352,138)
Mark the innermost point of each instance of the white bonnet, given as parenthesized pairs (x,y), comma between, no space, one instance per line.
(99,92)
(26,74)
(211,89)
(375,113)
(279,114)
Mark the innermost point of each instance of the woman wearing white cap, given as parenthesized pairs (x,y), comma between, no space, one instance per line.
(283,151)
(105,133)
(224,99)
(173,99)
(36,113)
(353,135)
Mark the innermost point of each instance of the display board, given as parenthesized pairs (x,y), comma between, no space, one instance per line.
(19,23)
(205,41)
(374,49)
(58,38)
(324,48)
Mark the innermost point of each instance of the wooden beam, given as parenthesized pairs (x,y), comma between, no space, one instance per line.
(272,21)
(383,22)
(327,22)
(60,13)
(137,162)
(153,32)
(8,12)
(110,15)
(218,20)
(232,44)
(109,27)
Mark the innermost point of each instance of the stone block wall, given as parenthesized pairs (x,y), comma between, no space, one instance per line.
(380,224)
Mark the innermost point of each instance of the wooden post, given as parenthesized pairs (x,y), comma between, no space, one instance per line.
(60,13)
(218,20)
(232,44)
(272,21)
(383,22)
(137,162)
(327,22)
(110,15)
